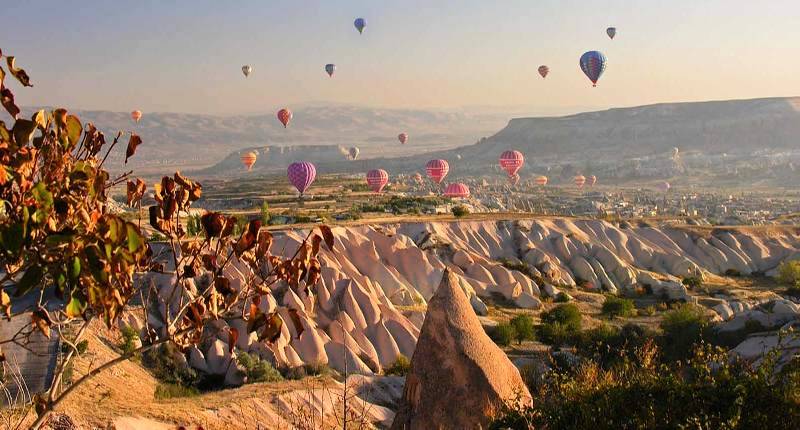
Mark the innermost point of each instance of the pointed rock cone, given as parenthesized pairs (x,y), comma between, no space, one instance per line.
(459,378)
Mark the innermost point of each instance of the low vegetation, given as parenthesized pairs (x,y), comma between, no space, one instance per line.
(459,211)
(618,307)
(400,367)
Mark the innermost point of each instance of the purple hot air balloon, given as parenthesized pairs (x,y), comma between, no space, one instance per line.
(301,174)
(593,64)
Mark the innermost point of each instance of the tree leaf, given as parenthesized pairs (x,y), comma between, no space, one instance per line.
(233,337)
(298,325)
(248,239)
(41,320)
(18,73)
(74,130)
(327,234)
(5,304)
(7,100)
(40,118)
(272,328)
(76,306)
(23,131)
(31,278)
(133,143)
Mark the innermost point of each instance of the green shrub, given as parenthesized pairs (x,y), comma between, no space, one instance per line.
(163,362)
(683,327)
(789,273)
(618,307)
(460,211)
(523,327)
(265,215)
(562,298)
(649,310)
(567,315)
(693,282)
(400,367)
(193,226)
(129,338)
(169,391)
(258,370)
(503,334)
(793,291)
(555,334)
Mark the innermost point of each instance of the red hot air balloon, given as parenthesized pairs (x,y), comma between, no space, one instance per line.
(248,159)
(377,179)
(541,180)
(591,180)
(136,115)
(437,170)
(511,162)
(579,180)
(403,138)
(284,116)
(544,70)
(301,174)
(457,190)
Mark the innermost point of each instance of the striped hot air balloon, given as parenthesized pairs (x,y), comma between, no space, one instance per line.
(301,174)
(579,181)
(541,180)
(591,180)
(248,159)
(593,64)
(511,161)
(437,170)
(377,179)
(544,71)
(457,190)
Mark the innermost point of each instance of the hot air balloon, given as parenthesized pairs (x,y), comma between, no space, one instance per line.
(593,63)
(592,180)
(437,170)
(611,32)
(664,186)
(579,180)
(301,174)
(247,70)
(248,159)
(544,70)
(403,138)
(284,116)
(377,179)
(458,156)
(330,68)
(511,162)
(457,190)
(360,23)
(513,180)
(541,180)
(136,115)
(354,152)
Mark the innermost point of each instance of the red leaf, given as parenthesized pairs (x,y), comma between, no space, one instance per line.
(327,234)
(134,142)
(233,337)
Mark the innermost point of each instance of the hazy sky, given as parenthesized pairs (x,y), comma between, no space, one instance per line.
(185,56)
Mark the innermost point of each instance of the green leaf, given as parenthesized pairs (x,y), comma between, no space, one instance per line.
(75,270)
(58,239)
(32,277)
(135,239)
(74,129)
(12,238)
(77,306)
(40,119)
(43,196)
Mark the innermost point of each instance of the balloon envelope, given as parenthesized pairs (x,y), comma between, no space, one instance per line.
(611,32)
(437,170)
(301,174)
(511,162)
(330,69)
(247,70)
(377,179)
(136,115)
(541,180)
(593,64)
(360,23)
(544,70)
(403,138)
(457,190)
(579,180)
(284,116)
(248,159)
(354,151)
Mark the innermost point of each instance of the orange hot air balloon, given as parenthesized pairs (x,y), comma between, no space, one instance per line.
(579,180)
(284,116)
(591,180)
(541,180)
(403,138)
(248,159)
(136,115)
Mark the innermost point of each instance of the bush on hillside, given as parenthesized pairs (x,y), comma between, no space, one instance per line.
(523,328)
(503,334)
(618,307)
(460,211)
(683,327)
(400,367)
(257,370)
(789,273)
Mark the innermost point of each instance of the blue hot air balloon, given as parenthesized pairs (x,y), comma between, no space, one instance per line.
(593,63)
(360,23)
(330,68)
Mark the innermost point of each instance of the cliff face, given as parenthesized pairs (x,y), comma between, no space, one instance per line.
(369,306)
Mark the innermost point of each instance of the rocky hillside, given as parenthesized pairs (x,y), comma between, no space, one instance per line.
(369,306)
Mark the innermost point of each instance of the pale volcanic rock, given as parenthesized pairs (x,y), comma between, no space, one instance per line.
(456,363)
(218,358)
